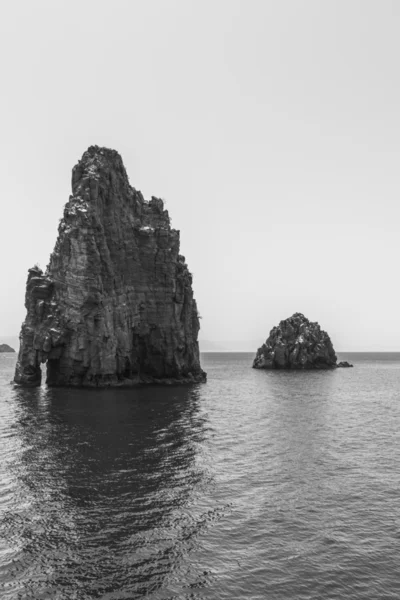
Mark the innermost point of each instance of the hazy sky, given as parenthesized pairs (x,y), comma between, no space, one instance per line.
(270,127)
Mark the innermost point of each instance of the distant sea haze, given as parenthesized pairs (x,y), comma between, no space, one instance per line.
(205,345)
(230,345)
(252,346)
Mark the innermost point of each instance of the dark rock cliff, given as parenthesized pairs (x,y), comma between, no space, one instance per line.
(297,343)
(6,348)
(115,305)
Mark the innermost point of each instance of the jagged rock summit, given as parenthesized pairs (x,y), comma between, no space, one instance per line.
(297,343)
(115,306)
(6,348)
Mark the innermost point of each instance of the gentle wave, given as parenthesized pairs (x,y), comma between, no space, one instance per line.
(254,485)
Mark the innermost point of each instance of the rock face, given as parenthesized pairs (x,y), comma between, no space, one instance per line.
(6,348)
(297,343)
(115,305)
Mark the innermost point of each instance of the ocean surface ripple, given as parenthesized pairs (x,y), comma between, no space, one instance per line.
(257,485)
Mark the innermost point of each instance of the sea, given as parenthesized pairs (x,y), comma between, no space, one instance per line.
(256,485)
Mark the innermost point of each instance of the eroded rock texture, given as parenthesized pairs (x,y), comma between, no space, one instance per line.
(297,343)
(115,305)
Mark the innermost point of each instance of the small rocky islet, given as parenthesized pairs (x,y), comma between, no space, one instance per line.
(297,343)
(6,348)
(115,306)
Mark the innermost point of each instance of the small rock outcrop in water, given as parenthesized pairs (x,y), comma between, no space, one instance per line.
(297,343)
(115,305)
(6,348)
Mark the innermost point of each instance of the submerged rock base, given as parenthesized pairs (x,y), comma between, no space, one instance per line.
(297,343)
(115,306)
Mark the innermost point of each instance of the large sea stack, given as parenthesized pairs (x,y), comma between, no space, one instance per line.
(297,343)
(115,305)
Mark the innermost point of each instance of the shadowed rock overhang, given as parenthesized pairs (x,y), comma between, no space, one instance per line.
(115,306)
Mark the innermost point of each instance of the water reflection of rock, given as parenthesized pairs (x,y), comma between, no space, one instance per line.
(300,405)
(109,481)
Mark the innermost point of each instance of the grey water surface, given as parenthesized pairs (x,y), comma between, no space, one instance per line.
(256,485)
